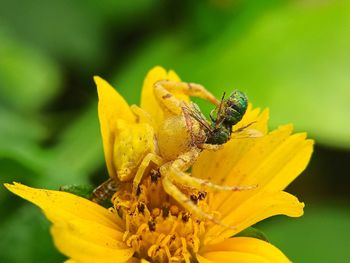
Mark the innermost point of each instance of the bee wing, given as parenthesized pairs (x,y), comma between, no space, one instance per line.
(195,113)
(248,133)
(244,132)
(219,116)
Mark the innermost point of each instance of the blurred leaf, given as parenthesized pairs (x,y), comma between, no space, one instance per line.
(72,31)
(78,152)
(252,232)
(321,235)
(25,237)
(28,79)
(19,128)
(160,50)
(66,29)
(121,11)
(21,158)
(288,57)
(84,191)
(291,59)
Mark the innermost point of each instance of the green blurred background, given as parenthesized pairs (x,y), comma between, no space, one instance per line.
(292,56)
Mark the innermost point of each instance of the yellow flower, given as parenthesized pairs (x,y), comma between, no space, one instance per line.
(149,225)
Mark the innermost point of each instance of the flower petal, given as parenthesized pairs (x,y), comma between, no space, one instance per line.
(65,205)
(258,207)
(148,101)
(83,242)
(271,162)
(82,230)
(274,161)
(220,163)
(242,249)
(111,107)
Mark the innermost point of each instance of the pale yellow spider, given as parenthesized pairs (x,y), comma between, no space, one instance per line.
(173,150)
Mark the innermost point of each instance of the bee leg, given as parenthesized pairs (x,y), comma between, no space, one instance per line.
(190,89)
(211,147)
(150,157)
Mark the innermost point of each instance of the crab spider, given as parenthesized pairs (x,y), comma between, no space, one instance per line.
(172,150)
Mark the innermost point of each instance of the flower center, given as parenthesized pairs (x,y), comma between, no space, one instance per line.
(156,227)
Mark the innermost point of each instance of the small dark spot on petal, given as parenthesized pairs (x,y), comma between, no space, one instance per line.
(141,207)
(167,96)
(202,195)
(194,198)
(152,225)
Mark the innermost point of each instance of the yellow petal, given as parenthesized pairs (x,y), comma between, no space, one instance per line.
(255,209)
(68,205)
(275,161)
(86,244)
(136,260)
(271,162)
(242,249)
(148,100)
(111,107)
(220,163)
(81,229)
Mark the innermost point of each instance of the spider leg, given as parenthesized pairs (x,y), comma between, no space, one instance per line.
(211,147)
(150,157)
(164,90)
(182,178)
(167,100)
(190,89)
(182,199)
(175,172)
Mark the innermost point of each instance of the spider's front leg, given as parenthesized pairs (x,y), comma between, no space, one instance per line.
(150,157)
(175,172)
(211,147)
(186,202)
(164,90)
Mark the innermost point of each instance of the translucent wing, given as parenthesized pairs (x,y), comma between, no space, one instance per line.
(195,113)
(246,132)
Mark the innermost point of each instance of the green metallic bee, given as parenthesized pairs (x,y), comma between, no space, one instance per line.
(223,118)
(229,113)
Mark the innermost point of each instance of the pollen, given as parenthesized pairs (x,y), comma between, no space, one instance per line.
(156,227)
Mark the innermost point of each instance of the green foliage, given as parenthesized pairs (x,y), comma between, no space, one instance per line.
(252,232)
(321,235)
(25,237)
(290,56)
(28,79)
(84,191)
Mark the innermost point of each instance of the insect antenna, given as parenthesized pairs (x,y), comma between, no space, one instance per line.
(211,115)
(219,118)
